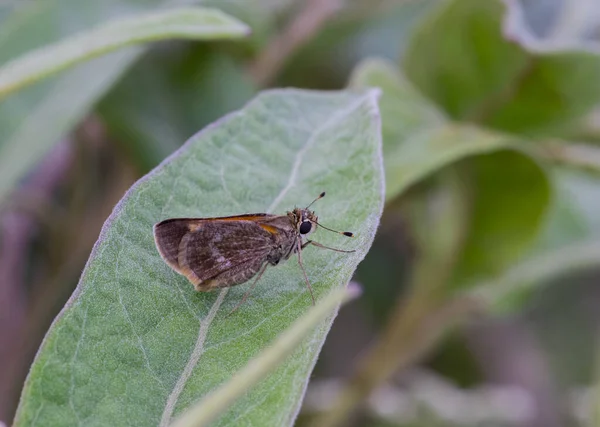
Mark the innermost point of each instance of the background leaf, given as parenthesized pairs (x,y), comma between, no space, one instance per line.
(567,245)
(408,120)
(25,140)
(167,96)
(506,209)
(500,80)
(133,325)
(217,402)
(507,212)
(192,23)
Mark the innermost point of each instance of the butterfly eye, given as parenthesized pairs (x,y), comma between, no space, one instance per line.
(305,227)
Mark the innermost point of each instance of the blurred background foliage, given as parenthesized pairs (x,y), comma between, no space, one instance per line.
(481,290)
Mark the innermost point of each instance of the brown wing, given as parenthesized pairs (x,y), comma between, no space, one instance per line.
(168,233)
(167,237)
(214,253)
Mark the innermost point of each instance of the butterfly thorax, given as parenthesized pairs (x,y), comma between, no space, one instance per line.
(287,237)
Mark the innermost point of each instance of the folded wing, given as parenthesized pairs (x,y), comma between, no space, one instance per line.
(213,253)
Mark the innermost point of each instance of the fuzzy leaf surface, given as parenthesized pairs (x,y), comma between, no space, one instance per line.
(37,117)
(136,345)
(480,63)
(185,23)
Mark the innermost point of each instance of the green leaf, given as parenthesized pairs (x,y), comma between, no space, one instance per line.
(510,191)
(406,117)
(186,23)
(510,198)
(167,96)
(569,242)
(34,119)
(437,217)
(263,16)
(481,69)
(137,343)
(221,399)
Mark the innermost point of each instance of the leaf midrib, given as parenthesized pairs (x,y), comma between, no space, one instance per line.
(192,361)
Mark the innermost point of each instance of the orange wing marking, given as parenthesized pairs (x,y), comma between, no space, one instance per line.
(196,224)
(269,228)
(241,218)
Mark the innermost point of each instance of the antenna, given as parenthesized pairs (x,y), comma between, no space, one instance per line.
(345,233)
(320,197)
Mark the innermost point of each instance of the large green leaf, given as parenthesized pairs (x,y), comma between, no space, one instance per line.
(568,243)
(136,344)
(509,189)
(219,401)
(511,194)
(34,119)
(484,70)
(408,120)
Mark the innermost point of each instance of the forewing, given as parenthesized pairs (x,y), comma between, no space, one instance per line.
(168,235)
(215,247)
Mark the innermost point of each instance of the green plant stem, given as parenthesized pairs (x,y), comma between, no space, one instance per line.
(302,28)
(539,269)
(415,326)
(209,408)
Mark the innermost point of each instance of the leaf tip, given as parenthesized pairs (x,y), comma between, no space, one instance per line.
(354,290)
(244,29)
(375,93)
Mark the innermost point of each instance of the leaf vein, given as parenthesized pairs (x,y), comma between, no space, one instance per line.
(75,353)
(139,340)
(264,396)
(307,145)
(192,361)
(256,326)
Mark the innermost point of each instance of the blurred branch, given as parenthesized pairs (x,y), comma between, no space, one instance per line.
(590,129)
(530,273)
(301,29)
(583,156)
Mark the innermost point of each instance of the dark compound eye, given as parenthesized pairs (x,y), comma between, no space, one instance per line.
(305,227)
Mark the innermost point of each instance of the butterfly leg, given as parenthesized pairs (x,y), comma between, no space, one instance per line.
(260,273)
(300,246)
(317,244)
